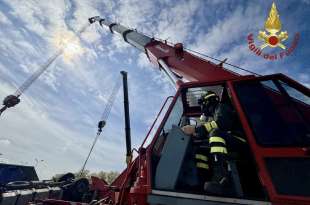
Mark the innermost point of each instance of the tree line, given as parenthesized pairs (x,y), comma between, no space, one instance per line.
(109,176)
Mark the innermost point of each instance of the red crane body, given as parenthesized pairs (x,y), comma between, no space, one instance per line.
(185,70)
(185,64)
(273,114)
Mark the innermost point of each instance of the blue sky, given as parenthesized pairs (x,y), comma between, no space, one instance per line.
(57,118)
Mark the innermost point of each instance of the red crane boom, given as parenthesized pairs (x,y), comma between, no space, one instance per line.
(174,61)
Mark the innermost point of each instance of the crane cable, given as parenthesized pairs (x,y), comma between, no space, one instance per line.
(104,117)
(216,59)
(12,100)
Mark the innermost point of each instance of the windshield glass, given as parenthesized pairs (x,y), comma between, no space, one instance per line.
(175,115)
(278,113)
(174,119)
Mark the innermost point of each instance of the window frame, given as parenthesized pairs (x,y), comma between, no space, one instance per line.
(282,95)
(260,153)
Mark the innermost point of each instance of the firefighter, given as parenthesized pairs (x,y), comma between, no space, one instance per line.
(216,120)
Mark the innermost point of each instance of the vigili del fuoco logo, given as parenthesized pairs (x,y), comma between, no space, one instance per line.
(272,37)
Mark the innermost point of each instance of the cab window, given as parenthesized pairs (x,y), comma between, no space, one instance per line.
(278,113)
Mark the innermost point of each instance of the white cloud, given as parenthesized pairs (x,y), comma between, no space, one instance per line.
(143,61)
(38,16)
(4,19)
(175,23)
(5,142)
(229,30)
(134,12)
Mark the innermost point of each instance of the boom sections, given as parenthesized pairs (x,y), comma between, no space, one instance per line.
(178,64)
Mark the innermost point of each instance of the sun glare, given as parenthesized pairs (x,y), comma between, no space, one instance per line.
(70,44)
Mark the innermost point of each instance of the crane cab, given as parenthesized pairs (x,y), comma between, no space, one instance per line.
(272,166)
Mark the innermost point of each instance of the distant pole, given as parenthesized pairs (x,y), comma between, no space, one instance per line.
(127,118)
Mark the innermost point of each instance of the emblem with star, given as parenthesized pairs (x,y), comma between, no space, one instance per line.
(273,26)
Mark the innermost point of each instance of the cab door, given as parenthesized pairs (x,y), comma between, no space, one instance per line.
(275,114)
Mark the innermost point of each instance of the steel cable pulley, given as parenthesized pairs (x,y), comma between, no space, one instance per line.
(104,117)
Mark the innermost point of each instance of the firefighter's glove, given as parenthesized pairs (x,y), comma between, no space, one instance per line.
(189,130)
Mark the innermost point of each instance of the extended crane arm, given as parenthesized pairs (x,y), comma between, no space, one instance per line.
(132,37)
(178,64)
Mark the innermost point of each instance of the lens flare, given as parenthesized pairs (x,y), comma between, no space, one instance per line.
(69,43)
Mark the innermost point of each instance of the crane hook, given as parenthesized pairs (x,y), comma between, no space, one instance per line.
(9,101)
